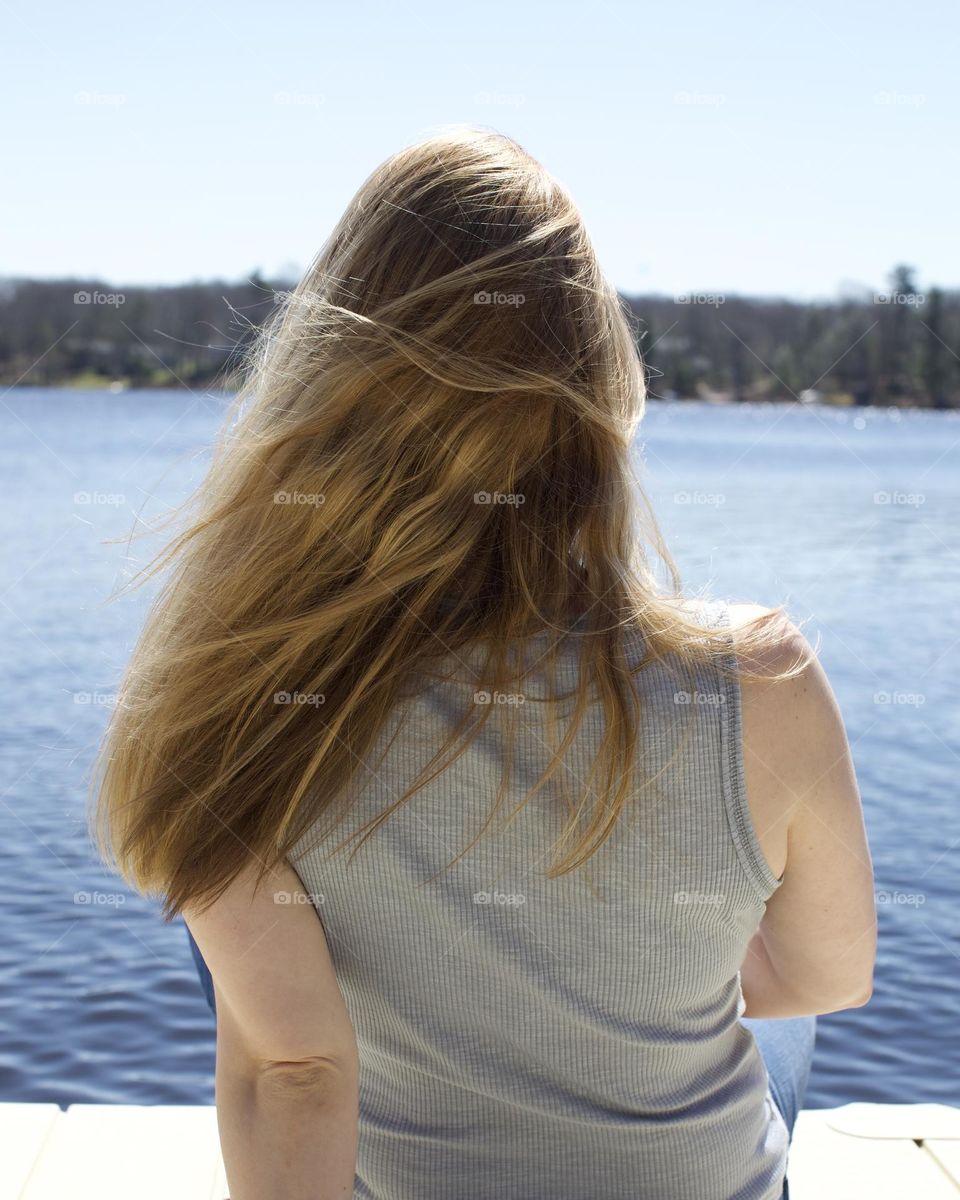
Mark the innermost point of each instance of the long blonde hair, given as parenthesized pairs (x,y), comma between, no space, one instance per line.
(430,447)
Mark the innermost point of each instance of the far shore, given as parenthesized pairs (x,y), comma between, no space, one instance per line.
(93,383)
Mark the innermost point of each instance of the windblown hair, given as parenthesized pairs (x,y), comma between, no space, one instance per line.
(430,447)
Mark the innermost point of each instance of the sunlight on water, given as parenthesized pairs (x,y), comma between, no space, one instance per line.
(850,518)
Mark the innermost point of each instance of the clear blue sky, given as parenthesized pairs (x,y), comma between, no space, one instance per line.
(759,148)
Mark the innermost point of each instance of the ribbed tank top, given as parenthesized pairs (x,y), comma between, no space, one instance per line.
(575,1038)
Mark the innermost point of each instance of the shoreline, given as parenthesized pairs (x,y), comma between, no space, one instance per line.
(119,387)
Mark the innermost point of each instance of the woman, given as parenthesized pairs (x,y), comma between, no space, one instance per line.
(500,854)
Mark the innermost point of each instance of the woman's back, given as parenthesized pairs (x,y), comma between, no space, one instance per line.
(432,446)
(576,1036)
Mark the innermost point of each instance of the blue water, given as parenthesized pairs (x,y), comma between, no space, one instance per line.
(98,1000)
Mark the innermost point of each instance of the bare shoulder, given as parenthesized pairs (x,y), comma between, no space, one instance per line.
(818,931)
(790,687)
(785,644)
(792,729)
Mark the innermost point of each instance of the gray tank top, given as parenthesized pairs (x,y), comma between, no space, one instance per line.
(525,1038)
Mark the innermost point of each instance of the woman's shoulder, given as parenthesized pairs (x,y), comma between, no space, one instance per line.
(792,728)
(782,646)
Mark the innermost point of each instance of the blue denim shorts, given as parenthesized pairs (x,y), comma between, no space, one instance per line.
(787,1049)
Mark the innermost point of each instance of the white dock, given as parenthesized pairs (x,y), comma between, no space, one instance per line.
(115,1152)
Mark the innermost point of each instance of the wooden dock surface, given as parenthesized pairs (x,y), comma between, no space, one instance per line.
(118,1152)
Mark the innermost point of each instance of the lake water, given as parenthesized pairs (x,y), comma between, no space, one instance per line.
(851,518)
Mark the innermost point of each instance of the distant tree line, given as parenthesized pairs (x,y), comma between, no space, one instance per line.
(88,333)
(898,346)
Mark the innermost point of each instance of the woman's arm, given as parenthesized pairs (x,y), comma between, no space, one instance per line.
(815,948)
(287,1070)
